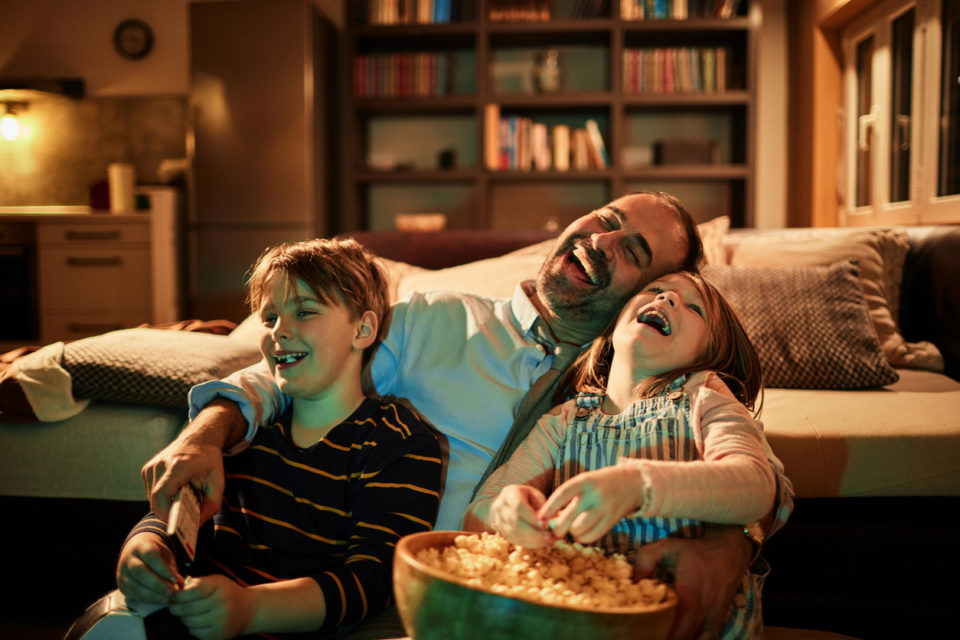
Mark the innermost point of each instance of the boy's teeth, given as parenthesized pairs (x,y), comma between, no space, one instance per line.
(287,358)
(581,255)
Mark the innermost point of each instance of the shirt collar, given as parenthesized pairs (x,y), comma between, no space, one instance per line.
(523,309)
(526,313)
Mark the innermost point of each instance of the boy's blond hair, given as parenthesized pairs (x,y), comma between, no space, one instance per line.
(339,272)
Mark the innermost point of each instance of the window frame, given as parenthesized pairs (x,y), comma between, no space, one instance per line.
(924,206)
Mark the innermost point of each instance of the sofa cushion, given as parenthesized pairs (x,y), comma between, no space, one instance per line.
(151,367)
(810,325)
(498,277)
(880,254)
(901,440)
(493,277)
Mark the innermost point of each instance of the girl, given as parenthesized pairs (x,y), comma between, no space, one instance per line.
(659,441)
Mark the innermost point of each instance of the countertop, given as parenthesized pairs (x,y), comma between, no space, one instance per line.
(68,213)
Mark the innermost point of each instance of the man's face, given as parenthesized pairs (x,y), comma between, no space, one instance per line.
(606,256)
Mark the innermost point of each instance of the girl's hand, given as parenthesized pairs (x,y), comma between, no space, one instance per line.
(213,607)
(147,570)
(589,504)
(514,515)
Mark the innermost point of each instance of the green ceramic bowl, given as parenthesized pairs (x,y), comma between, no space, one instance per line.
(436,605)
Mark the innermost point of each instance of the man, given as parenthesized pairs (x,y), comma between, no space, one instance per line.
(466,363)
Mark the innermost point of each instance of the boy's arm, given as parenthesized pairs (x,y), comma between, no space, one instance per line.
(215,606)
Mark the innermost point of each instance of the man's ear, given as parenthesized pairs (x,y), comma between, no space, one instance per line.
(366,332)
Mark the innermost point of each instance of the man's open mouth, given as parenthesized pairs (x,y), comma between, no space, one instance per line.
(580,257)
(656,319)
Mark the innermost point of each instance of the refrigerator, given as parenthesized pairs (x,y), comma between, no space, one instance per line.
(261,140)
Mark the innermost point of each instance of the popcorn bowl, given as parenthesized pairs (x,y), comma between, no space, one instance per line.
(435,604)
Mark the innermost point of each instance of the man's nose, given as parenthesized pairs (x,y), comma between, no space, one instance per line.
(605,242)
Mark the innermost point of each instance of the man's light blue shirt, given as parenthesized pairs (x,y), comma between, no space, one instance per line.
(464,362)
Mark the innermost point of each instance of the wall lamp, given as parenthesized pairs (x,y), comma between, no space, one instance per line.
(10,128)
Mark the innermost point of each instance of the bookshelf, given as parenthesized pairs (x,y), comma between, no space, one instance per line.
(673,100)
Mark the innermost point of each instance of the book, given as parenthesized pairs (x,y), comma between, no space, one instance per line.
(598,151)
(580,153)
(540,145)
(561,147)
(491,136)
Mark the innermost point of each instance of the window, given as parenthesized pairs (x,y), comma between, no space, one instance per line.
(902,105)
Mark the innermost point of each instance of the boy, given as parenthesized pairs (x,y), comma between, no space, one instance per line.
(314,506)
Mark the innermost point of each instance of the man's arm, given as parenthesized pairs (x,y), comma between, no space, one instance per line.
(706,575)
(195,457)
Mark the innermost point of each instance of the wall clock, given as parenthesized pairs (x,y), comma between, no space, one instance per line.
(133,39)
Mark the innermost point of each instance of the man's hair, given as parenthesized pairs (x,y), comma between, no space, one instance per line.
(729,353)
(694,256)
(339,272)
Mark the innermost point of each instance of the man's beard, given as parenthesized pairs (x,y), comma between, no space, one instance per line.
(572,301)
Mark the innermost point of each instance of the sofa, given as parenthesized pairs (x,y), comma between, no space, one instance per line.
(857,330)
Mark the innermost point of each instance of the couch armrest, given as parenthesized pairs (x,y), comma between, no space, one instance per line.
(930,293)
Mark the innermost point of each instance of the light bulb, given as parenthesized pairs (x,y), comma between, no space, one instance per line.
(9,127)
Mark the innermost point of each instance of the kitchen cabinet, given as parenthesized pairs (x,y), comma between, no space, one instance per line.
(71,273)
(92,278)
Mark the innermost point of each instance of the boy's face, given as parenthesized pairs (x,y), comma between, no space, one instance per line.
(663,327)
(307,344)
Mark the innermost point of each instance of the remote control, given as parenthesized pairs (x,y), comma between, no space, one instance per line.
(185,522)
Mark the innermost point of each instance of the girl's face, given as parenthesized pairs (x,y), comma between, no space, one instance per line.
(663,327)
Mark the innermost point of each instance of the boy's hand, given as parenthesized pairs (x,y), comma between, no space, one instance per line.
(514,515)
(213,607)
(588,505)
(147,570)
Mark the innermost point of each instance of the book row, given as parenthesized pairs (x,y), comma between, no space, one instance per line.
(519,143)
(402,75)
(384,12)
(664,70)
(678,9)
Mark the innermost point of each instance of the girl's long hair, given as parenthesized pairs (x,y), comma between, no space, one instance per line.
(729,353)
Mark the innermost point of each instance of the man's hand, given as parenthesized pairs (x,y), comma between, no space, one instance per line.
(706,575)
(195,457)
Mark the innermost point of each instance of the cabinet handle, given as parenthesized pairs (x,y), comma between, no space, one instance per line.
(109,261)
(93,235)
(94,327)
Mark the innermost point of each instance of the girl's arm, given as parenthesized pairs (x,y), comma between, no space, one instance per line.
(531,464)
(732,484)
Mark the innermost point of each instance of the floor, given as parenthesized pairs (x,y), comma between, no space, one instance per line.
(51,630)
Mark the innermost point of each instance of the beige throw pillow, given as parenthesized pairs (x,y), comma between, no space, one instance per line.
(880,254)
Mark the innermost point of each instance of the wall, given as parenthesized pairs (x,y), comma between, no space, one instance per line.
(134,110)
(816,100)
(770,199)
(73,38)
